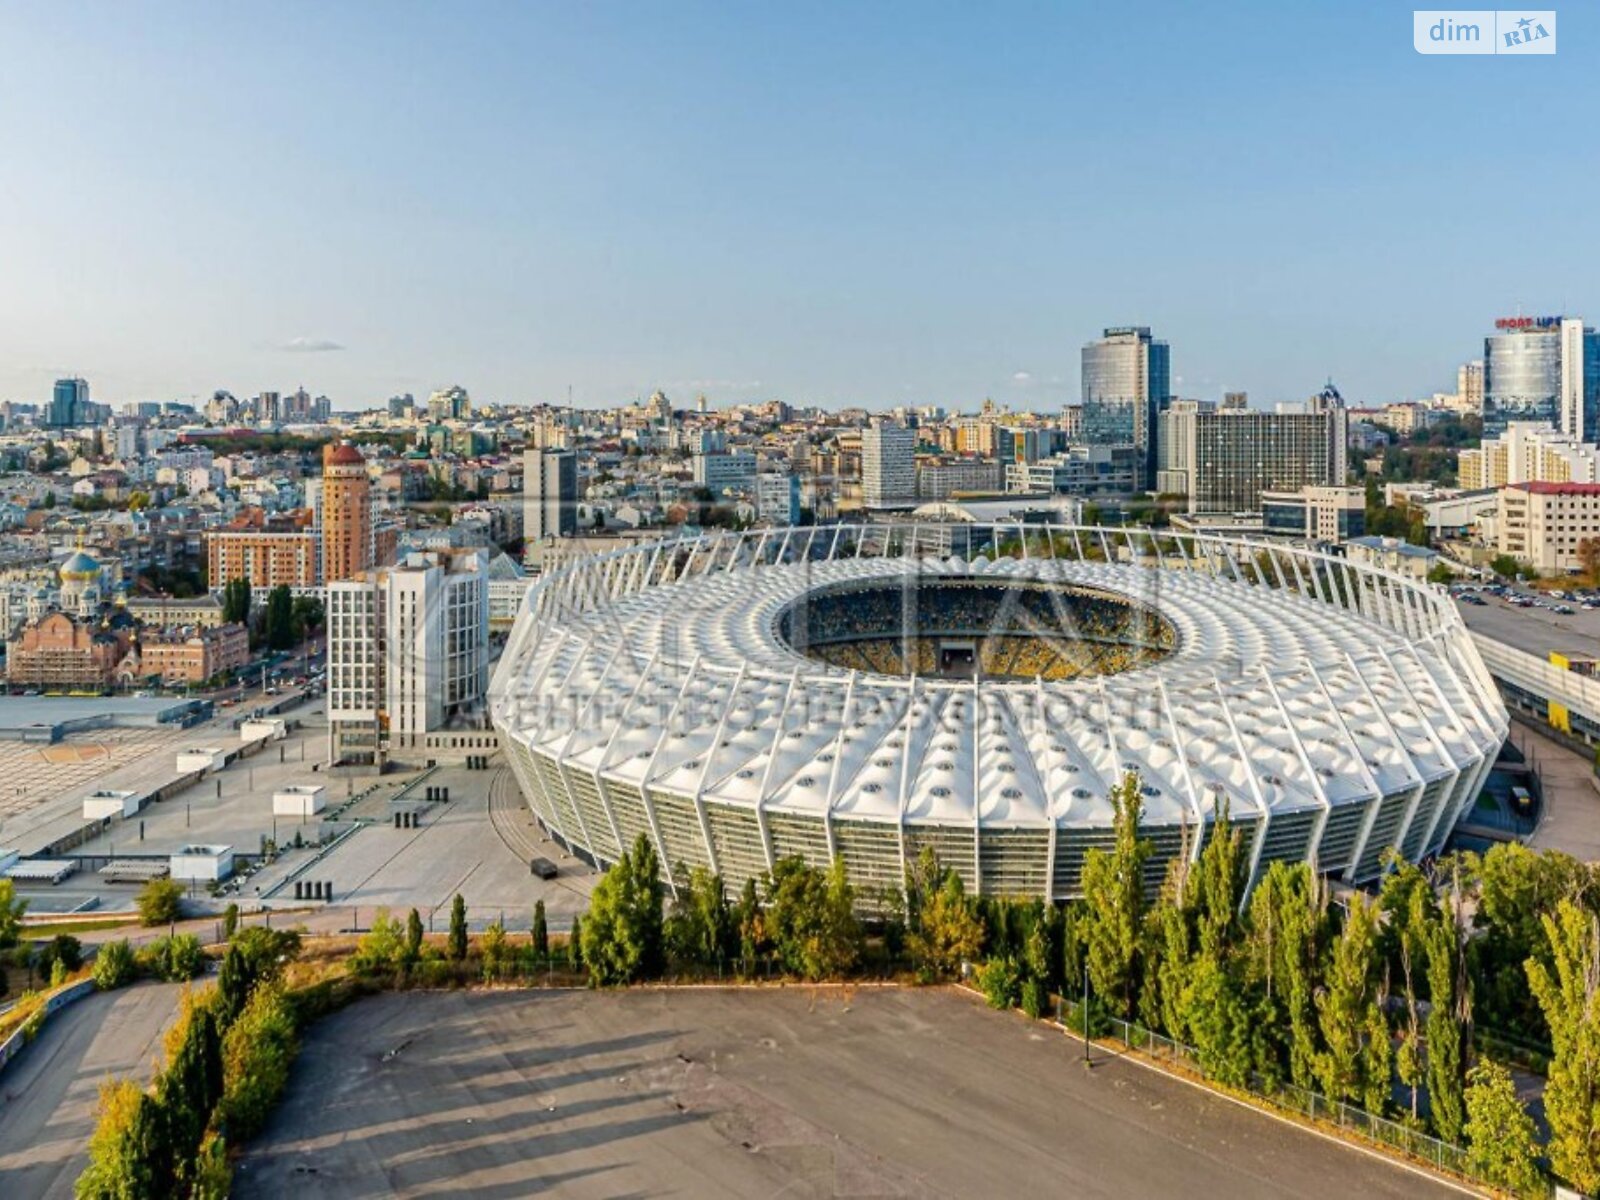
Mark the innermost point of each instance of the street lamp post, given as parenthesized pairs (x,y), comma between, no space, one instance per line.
(1086,1012)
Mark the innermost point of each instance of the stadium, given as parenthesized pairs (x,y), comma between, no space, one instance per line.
(866,691)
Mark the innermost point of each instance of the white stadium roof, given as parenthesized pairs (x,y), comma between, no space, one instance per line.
(661,670)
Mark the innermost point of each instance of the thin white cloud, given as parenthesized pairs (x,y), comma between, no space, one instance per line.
(1022,377)
(309,345)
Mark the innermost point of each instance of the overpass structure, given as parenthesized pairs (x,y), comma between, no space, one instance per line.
(1567,700)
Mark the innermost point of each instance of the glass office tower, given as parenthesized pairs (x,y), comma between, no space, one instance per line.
(1522,374)
(1126,378)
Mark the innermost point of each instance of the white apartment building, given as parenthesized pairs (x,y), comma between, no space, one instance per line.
(408,652)
(1529,452)
(1543,525)
(778,498)
(888,466)
(941,480)
(725,472)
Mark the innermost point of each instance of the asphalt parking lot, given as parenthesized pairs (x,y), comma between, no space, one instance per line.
(1536,630)
(759,1093)
(48,1093)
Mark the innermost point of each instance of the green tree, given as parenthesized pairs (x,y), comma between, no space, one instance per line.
(811,919)
(1502,1147)
(11,910)
(623,939)
(413,947)
(1000,981)
(160,902)
(492,949)
(191,1085)
(948,932)
(751,924)
(575,944)
(230,922)
(700,930)
(308,616)
(541,933)
(128,1156)
(63,949)
(1516,888)
(236,602)
(383,946)
(174,959)
(280,618)
(456,944)
(256,1054)
(114,966)
(1113,886)
(1567,988)
(1449,1022)
(1355,1064)
(1286,928)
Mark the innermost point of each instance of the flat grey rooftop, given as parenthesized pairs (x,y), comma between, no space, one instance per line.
(20,712)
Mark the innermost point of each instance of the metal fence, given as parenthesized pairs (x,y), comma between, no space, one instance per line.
(1288,1097)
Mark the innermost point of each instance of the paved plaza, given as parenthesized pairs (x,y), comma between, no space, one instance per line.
(795,1092)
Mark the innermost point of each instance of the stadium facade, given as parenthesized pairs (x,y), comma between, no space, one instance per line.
(867,691)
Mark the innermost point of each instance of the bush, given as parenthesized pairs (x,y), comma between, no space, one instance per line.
(1000,982)
(230,922)
(173,959)
(256,1055)
(1034,998)
(160,902)
(382,947)
(11,910)
(64,949)
(114,966)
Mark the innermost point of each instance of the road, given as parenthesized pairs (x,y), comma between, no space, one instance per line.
(710,1093)
(49,1091)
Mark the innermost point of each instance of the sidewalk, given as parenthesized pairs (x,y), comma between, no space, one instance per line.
(1571,818)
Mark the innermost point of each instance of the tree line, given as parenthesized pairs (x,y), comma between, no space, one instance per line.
(1381,1001)
(226,1062)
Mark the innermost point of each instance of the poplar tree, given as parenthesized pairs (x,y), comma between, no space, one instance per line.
(1357,1054)
(1502,1147)
(541,933)
(1449,1024)
(1567,989)
(1113,888)
(457,943)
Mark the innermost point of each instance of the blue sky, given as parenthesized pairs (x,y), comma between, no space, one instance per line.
(876,204)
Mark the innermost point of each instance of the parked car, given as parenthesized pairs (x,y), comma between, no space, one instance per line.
(543,868)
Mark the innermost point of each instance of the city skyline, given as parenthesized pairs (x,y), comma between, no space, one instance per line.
(835,209)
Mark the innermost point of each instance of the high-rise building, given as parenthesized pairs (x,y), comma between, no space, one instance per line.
(1529,452)
(344,513)
(888,466)
(1543,369)
(68,403)
(549,497)
(1127,381)
(407,652)
(1469,388)
(1223,459)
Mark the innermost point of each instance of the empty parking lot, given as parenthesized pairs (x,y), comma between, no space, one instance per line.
(746,1093)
